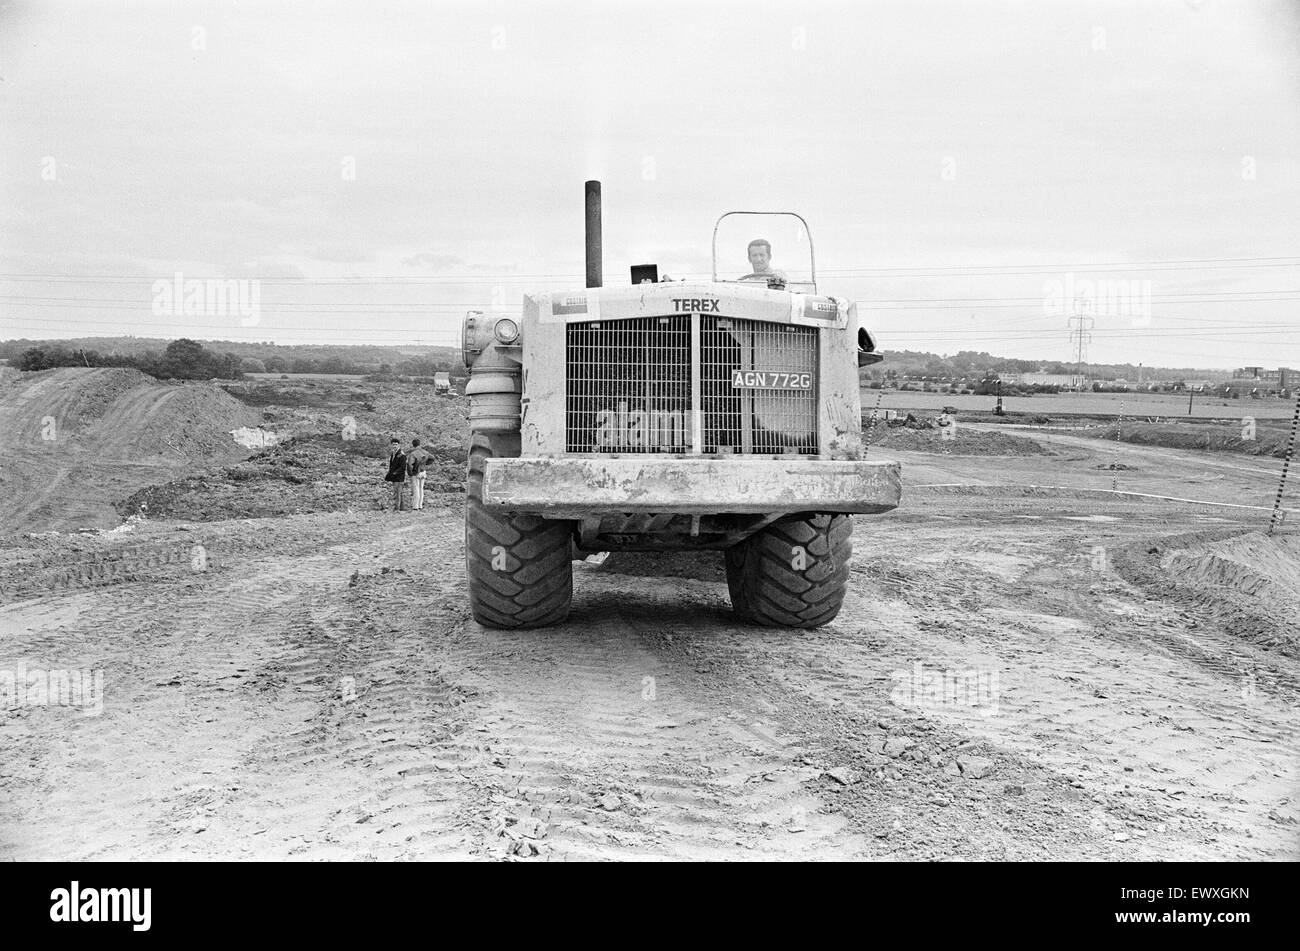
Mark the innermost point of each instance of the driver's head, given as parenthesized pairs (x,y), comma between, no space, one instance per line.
(760,255)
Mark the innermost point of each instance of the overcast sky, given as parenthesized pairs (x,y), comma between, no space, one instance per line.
(953,159)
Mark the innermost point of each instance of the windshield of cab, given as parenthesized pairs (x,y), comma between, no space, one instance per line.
(763,248)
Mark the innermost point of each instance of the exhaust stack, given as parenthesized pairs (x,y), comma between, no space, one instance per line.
(595,277)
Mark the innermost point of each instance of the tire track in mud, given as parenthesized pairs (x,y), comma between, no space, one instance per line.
(185,693)
(623,750)
(378,727)
(1217,628)
(1181,634)
(341,702)
(103,566)
(324,695)
(831,688)
(178,650)
(1097,585)
(1081,695)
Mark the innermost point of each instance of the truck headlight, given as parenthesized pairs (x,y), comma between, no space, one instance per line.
(482,331)
(506,330)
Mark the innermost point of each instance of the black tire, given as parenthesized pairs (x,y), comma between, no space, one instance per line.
(793,573)
(532,585)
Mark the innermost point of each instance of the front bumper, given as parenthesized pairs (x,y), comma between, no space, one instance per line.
(582,486)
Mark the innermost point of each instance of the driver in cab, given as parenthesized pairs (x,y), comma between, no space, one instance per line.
(760,259)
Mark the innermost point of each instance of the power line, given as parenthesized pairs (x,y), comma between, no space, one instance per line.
(359,306)
(1247,300)
(868,303)
(977,269)
(293,281)
(1039,298)
(450,334)
(928,270)
(994,333)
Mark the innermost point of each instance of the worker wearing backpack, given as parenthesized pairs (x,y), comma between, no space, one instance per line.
(417,464)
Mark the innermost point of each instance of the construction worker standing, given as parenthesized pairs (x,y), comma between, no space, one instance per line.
(396,471)
(417,464)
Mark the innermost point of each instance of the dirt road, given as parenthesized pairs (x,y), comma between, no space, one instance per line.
(1223,478)
(314,689)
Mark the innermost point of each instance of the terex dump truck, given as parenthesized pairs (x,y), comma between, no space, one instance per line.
(667,415)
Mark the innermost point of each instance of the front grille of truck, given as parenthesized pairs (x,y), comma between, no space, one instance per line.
(757,421)
(630,386)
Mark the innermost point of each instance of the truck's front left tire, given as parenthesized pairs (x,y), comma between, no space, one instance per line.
(794,573)
(518,567)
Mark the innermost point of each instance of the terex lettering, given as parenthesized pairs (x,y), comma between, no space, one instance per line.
(690,304)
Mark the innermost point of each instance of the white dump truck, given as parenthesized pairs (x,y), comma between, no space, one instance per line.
(661,415)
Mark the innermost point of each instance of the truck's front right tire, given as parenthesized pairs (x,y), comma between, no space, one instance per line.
(518,567)
(794,573)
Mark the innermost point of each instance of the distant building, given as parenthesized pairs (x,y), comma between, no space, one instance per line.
(1264,382)
(1045,379)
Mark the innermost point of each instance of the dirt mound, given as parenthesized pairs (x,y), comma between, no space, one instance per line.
(329,452)
(964,442)
(120,413)
(404,410)
(319,394)
(197,421)
(1265,567)
(1248,583)
(94,391)
(77,438)
(315,472)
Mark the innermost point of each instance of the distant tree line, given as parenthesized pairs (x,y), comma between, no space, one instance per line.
(417,368)
(978,365)
(183,359)
(258,357)
(186,359)
(987,385)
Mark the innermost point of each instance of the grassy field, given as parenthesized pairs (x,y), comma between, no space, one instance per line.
(1086,404)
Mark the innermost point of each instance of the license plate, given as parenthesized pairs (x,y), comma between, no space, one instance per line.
(770,380)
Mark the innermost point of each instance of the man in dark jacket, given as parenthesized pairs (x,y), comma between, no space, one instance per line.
(396,471)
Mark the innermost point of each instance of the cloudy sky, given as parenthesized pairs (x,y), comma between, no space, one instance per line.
(380,168)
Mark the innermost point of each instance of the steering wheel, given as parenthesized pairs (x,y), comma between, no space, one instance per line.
(770,278)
